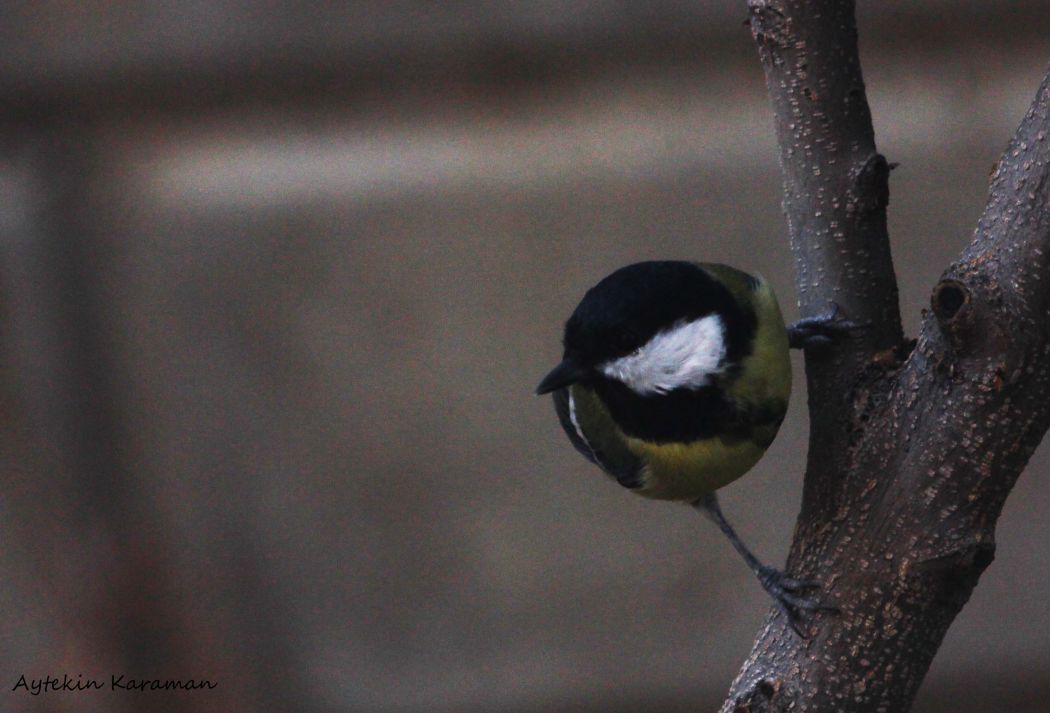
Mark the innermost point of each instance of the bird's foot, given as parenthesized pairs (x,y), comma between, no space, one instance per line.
(793,596)
(822,329)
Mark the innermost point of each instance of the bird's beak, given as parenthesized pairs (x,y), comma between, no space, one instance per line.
(568,372)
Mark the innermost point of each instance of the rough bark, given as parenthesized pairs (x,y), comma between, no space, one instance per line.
(914,445)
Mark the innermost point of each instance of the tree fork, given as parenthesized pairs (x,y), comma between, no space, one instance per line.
(914,446)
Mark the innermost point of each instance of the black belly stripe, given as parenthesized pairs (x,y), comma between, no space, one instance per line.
(678,416)
(684,415)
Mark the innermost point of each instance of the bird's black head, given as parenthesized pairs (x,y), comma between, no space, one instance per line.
(644,325)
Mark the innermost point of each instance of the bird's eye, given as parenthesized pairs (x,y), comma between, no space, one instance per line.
(627,341)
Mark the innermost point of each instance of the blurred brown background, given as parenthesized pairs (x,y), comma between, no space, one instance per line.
(277,281)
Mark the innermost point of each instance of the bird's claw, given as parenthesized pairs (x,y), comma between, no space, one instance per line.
(821,329)
(791,596)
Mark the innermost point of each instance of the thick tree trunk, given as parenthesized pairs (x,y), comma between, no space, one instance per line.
(914,445)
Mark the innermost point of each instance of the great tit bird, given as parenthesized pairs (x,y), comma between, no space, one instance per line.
(675,379)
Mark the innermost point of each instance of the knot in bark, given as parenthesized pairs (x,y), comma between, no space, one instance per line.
(870,189)
(766,695)
(768,22)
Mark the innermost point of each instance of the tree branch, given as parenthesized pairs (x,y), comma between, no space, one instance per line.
(835,196)
(913,451)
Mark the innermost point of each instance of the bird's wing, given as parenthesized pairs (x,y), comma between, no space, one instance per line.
(594,434)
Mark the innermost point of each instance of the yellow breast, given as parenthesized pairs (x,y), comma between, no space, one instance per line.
(687,471)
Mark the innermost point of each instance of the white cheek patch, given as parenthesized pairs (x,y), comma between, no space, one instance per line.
(685,356)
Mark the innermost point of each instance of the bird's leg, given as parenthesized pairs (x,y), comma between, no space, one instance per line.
(821,329)
(789,593)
